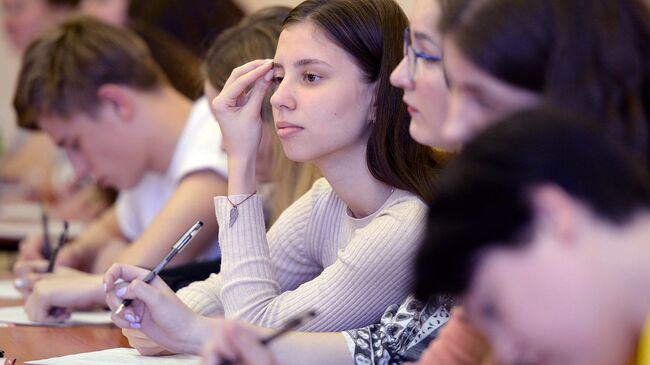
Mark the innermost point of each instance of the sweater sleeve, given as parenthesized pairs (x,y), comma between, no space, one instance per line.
(370,273)
(204,297)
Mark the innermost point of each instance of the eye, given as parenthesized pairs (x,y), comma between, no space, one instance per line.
(310,77)
(277,79)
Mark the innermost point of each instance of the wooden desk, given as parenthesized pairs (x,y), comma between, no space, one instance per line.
(27,343)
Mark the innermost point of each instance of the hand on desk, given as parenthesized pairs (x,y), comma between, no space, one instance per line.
(29,272)
(237,342)
(156,315)
(53,298)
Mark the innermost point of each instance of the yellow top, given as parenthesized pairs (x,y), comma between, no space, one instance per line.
(643,350)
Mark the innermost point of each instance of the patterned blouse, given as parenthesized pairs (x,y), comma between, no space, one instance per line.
(402,334)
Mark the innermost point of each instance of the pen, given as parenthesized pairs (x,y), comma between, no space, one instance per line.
(46,249)
(62,239)
(176,248)
(288,326)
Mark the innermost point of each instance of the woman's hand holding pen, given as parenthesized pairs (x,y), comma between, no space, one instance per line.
(238,111)
(155,313)
(53,297)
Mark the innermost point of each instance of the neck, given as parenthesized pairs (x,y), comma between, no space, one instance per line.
(166,112)
(347,172)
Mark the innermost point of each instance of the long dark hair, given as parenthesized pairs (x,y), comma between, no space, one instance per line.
(588,56)
(372,31)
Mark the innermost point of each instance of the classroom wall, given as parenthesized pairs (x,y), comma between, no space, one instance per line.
(252,5)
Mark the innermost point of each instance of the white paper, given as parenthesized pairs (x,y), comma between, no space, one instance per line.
(17,315)
(7,290)
(118,356)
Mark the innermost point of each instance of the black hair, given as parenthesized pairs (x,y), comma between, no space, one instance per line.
(483,200)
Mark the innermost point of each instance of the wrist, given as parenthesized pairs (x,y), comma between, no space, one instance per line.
(199,331)
(241,175)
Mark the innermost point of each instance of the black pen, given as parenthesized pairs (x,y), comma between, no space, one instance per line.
(46,249)
(288,326)
(62,239)
(176,248)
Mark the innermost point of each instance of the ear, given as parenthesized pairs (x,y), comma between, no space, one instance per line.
(372,110)
(556,214)
(118,98)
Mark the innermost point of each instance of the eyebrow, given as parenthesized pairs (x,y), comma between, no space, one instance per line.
(424,37)
(304,62)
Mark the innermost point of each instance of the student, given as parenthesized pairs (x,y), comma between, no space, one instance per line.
(29,159)
(549,249)
(25,20)
(281,180)
(333,106)
(123,124)
(504,55)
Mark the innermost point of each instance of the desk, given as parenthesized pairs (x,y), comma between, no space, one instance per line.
(26,343)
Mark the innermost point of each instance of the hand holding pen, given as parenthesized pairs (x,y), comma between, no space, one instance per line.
(233,340)
(176,248)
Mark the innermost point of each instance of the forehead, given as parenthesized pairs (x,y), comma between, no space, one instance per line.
(424,16)
(305,40)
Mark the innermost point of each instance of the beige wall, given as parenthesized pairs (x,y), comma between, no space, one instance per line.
(252,5)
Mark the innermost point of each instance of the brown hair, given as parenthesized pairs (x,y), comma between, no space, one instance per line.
(588,56)
(372,32)
(255,37)
(62,70)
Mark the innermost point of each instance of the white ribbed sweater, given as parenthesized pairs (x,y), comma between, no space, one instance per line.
(314,257)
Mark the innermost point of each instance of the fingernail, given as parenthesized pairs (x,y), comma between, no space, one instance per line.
(120,292)
(19,283)
(135,325)
(104,285)
(268,60)
(268,76)
(129,317)
(137,318)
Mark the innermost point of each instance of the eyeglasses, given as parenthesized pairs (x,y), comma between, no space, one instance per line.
(412,56)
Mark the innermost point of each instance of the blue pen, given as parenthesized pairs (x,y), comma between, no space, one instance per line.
(176,248)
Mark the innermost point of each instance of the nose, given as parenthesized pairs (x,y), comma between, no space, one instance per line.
(282,99)
(79,164)
(399,77)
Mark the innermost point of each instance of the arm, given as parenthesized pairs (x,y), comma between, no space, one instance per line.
(81,253)
(238,341)
(372,271)
(188,203)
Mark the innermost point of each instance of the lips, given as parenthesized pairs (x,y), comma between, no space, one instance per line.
(286,129)
(410,108)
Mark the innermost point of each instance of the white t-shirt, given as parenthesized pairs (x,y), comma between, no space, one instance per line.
(198,149)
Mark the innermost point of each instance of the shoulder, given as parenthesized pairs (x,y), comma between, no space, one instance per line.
(404,207)
(199,147)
